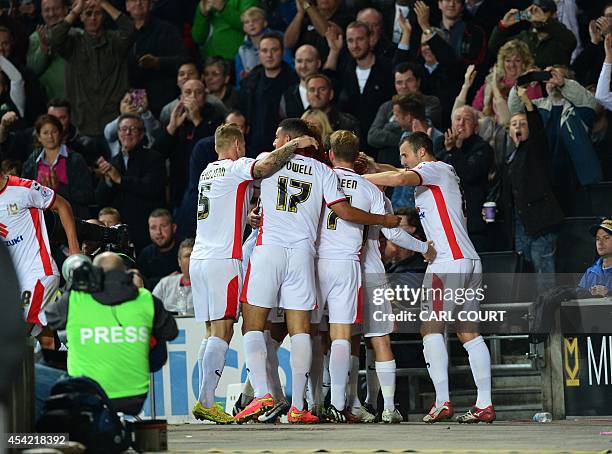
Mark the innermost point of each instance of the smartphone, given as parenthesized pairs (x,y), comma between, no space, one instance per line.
(533,76)
(522,15)
(137,96)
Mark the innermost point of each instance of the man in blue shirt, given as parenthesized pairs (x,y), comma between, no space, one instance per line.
(598,278)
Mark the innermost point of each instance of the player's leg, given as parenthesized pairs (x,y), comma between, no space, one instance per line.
(298,324)
(265,273)
(434,345)
(255,349)
(275,334)
(385,372)
(345,305)
(298,298)
(216,286)
(201,352)
(372,383)
(478,353)
(276,331)
(315,378)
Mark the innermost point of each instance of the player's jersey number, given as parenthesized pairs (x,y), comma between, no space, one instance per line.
(332,218)
(286,202)
(203,202)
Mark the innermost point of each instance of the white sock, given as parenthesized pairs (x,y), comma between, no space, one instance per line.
(373,385)
(316,373)
(201,360)
(326,381)
(274,382)
(247,393)
(214,362)
(480,363)
(339,366)
(353,397)
(255,358)
(436,357)
(301,358)
(386,376)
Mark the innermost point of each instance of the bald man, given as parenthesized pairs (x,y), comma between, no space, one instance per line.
(295,99)
(112,329)
(382,46)
(192,119)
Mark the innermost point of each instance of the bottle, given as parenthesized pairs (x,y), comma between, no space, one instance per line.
(542,417)
(181,301)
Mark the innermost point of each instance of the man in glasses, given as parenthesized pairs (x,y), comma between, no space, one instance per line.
(133,179)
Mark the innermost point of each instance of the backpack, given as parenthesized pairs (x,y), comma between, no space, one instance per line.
(80,407)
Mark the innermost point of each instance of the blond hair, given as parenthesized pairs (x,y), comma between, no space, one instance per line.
(225,135)
(345,145)
(511,48)
(252,12)
(323,120)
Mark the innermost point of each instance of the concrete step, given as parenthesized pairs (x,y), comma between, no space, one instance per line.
(531,396)
(522,381)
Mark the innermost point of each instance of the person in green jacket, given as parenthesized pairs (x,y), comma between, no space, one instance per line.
(224,18)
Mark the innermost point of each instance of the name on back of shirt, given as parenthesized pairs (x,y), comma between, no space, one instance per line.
(213,173)
(299,168)
(349,184)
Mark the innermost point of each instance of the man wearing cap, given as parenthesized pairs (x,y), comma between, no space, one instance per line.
(598,278)
(550,42)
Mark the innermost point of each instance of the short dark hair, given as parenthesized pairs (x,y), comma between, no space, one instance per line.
(131,116)
(161,213)
(320,76)
(359,24)
(220,62)
(294,127)
(412,217)
(59,102)
(273,35)
(418,140)
(238,114)
(410,103)
(187,242)
(190,62)
(414,68)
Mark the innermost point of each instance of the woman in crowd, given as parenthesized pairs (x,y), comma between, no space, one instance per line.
(513,59)
(54,165)
(318,119)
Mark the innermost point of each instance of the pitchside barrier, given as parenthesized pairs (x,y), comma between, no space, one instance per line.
(575,363)
(174,388)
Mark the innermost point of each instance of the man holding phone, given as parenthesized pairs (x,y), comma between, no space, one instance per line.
(550,42)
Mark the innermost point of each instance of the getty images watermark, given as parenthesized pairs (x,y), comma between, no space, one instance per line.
(434,304)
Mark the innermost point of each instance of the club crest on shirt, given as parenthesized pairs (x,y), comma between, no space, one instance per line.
(12,209)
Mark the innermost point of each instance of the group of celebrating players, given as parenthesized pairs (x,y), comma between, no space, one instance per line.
(315,247)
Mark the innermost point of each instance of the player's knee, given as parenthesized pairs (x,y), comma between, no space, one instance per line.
(466,337)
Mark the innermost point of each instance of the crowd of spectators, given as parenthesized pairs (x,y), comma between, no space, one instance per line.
(113,103)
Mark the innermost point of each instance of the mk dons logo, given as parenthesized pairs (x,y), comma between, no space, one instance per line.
(3,230)
(570,349)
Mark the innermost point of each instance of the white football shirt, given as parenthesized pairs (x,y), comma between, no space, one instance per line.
(23,230)
(291,201)
(441,207)
(343,240)
(223,202)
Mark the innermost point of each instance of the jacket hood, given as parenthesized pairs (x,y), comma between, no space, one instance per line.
(118,288)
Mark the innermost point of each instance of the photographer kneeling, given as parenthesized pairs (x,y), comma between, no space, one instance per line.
(112,329)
